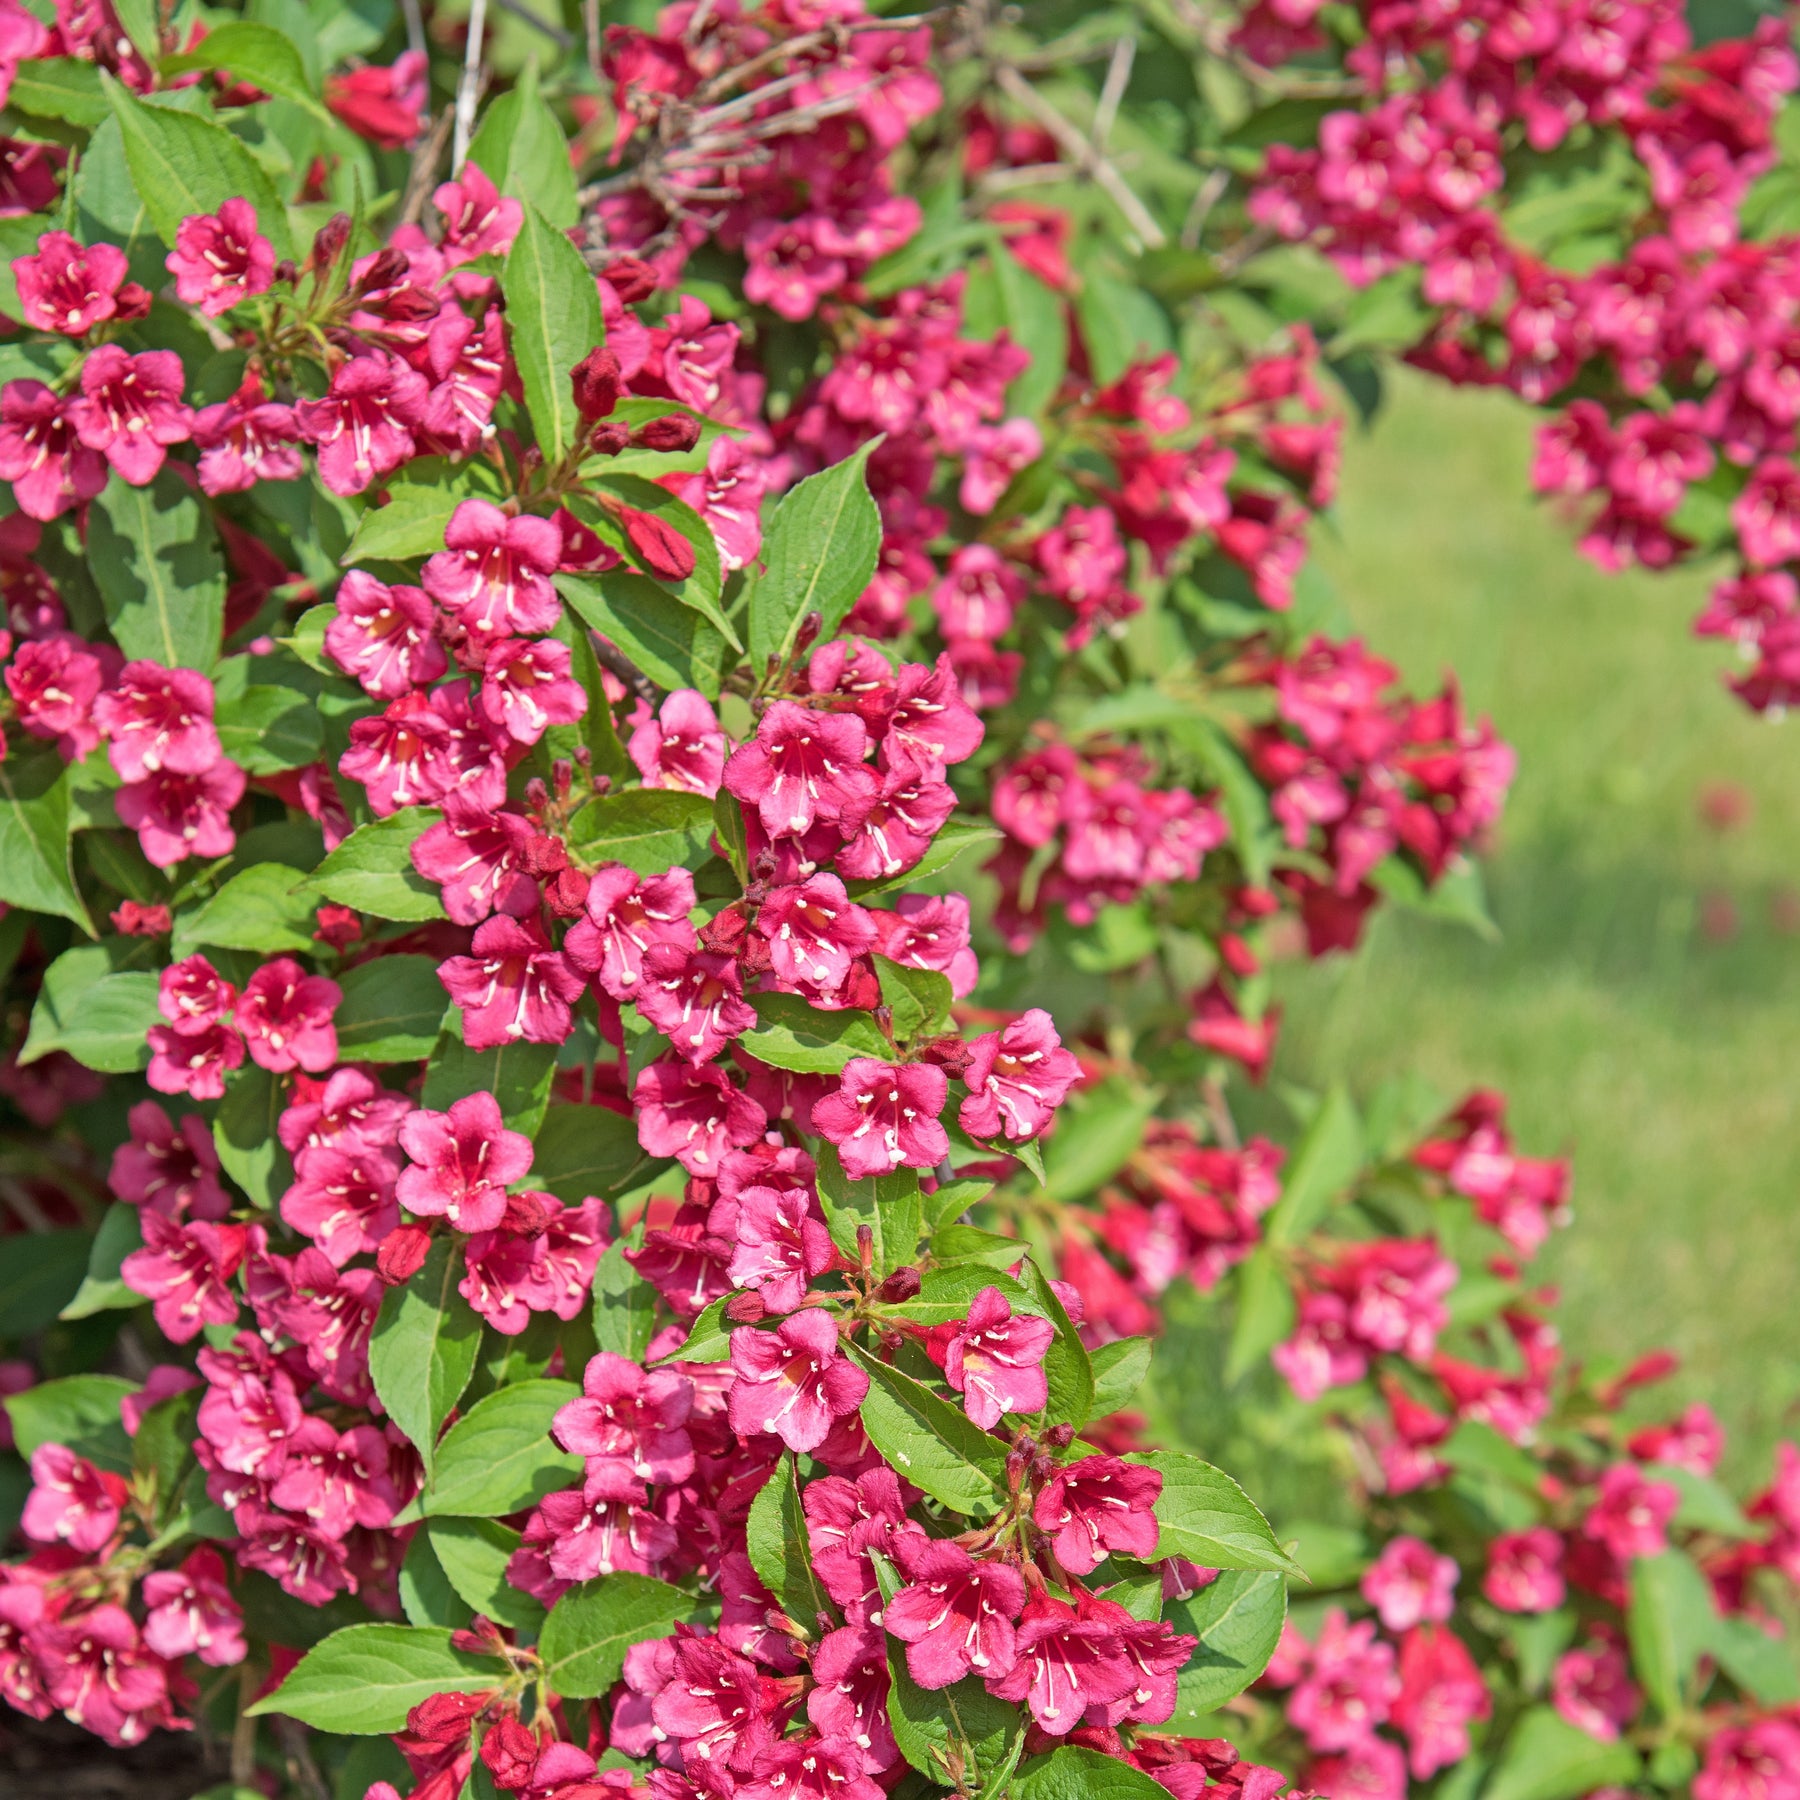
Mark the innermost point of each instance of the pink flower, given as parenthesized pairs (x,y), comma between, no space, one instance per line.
(682,747)
(363,427)
(168,1166)
(884,1116)
(343,1199)
(1592,1689)
(601,1527)
(1373,1769)
(1016,1078)
(401,757)
(1063,1665)
(1631,1512)
(494,574)
(781,1244)
(695,998)
(931,724)
(221,258)
(130,409)
(186,1270)
(54,683)
(694,1115)
(71,1502)
(1441,1691)
(993,455)
(812,1768)
(1760,1761)
(285,1016)
(930,931)
(994,1359)
(815,933)
(193,1058)
(247,439)
(349,1112)
(156,720)
(66,288)
(1409,1582)
(464,1160)
(955,1615)
(792,1381)
(385,636)
(475,855)
(337,1479)
(727,494)
(385,105)
(1350,1688)
(627,916)
(477,220)
(191,1611)
(526,688)
(1096,1506)
(801,767)
(101,1678)
(514,987)
(890,830)
(1524,1572)
(845,1520)
(631,1416)
(49,467)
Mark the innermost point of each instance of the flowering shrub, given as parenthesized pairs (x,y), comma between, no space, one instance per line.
(657,737)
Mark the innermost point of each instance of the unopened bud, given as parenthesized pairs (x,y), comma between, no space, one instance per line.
(808,634)
(131,302)
(597,382)
(609,437)
(525,1216)
(537,796)
(1015,1469)
(659,545)
(865,1246)
(444,1718)
(671,433)
(899,1286)
(1060,1437)
(402,1253)
(332,236)
(566,892)
(562,776)
(631,278)
(387,267)
(746,1309)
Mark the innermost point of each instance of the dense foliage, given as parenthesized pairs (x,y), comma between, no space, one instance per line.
(664,705)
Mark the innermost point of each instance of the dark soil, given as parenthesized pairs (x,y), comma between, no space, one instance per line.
(51,1759)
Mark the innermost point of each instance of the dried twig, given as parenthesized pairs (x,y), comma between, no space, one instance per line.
(555,33)
(622,666)
(1211,191)
(415,27)
(1118,77)
(422,176)
(590,19)
(469,88)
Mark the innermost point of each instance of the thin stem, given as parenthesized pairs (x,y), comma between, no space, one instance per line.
(415,27)
(1118,77)
(469,88)
(555,33)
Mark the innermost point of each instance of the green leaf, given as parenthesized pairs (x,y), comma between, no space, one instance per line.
(649,830)
(956,839)
(162,1451)
(268,729)
(1546,1758)
(372,869)
(1238,1620)
(35,842)
(624,1305)
(95,1010)
(777,1542)
(182,164)
(961,1244)
(1206,1517)
(517,1075)
(1067,1371)
(39,1277)
(889,1205)
(1762,1666)
(245,1135)
(424,1347)
(391,1010)
(1119,1371)
(426,1594)
(367,1678)
(59,87)
(819,550)
(1670,1624)
(80,1412)
(583,1150)
(264,908)
(102,1288)
(1265,1313)
(155,558)
(1095,1133)
(1705,1503)
(918,1000)
(590,1628)
(553,320)
(256,54)
(708,1338)
(473,1554)
(674,645)
(1007,296)
(930,1443)
(1076,1773)
(699,590)
(790,1034)
(499,1458)
(409,524)
(1327,1161)
(524,151)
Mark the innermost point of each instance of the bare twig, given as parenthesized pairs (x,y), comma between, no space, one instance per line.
(1210,192)
(622,666)
(415,27)
(468,89)
(1089,160)
(590,19)
(554,33)
(422,176)
(25,1208)
(243,1736)
(1118,76)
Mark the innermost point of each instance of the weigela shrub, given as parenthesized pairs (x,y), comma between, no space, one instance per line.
(664,705)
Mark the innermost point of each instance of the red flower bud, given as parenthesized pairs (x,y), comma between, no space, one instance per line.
(445,1718)
(333,235)
(525,1216)
(745,1309)
(338,926)
(672,432)
(899,1286)
(565,893)
(950,1054)
(631,278)
(510,1751)
(596,381)
(132,302)
(609,437)
(402,1253)
(658,543)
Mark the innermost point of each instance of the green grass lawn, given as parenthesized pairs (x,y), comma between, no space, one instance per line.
(1661,1057)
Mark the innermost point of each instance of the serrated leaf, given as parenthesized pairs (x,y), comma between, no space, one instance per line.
(700,590)
(246,1138)
(583,1150)
(889,1205)
(367,1678)
(791,1034)
(424,1347)
(39,1277)
(776,1538)
(372,869)
(1074,1772)
(673,644)
(1326,1162)
(256,54)
(35,842)
(649,830)
(624,1305)
(155,558)
(930,1443)
(1205,1516)
(956,839)
(590,1628)
(408,525)
(1119,1371)
(473,1554)
(518,1075)
(553,320)
(1238,1619)
(102,1287)
(500,1457)
(267,729)
(525,152)
(1546,1758)
(264,908)
(94,1009)
(391,1010)
(1265,1313)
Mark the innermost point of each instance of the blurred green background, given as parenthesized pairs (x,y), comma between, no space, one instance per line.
(1641,1005)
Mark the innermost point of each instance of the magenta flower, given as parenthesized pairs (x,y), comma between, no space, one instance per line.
(385,636)
(1017,1077)
(49,467)
(477,220)
(802,766)
(815,933)
(66,288)
(157,720)
(1592,1688)
(1524,1572)
(494,574)
(1631,1512)
(884,1116)
(955,1615)
(337,1479)
(464,1161)
(728,495)
(1063,1665)
(247,439)
(715,1707)
(1096,1506)
(193,1058)
(401,757)
(1441,1692)
(168,1166)
(693,1115)
(849,1699)
(193,991)
(995,1359)
(890,830)
(343,1199)
(781,1244)
(514,987)
(363,427)
(1154,1652)
(682,746)
(602,1527)
(793,1381)
(130,409)
(1350,1688)
(285,1016)
(931,724)
(54,683)
(475,856)
(71,1502)
(186,1271)
(695,998)
(1751,1762)
(526,688)
(811,1768)
(631,1416)
(349,1113)
(221,258)
(191,1612)
(100,1676)
(627,916)
(1409,1583)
